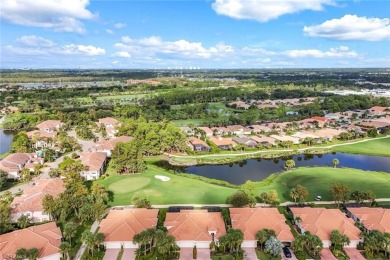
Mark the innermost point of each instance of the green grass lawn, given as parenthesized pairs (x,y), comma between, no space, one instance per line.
(178,190)
(318,179)
(374,147)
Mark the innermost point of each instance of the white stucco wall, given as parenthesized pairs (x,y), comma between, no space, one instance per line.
(249,243)
(118,244)
(191,244)
(35,216)
(51,257)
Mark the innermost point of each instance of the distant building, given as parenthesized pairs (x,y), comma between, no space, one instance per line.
(107,146)
(245,141)
(207,131)
(14,163)
(187,130)
(198,145)
(94,163)
(223,143)
(111,125)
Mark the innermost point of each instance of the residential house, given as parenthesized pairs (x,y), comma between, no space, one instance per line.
(14,163)
(220,131)
(223,143)
(47,238)
(251,220)
(264,140)
(371,218)
(239,105)
(94,163)
(49,126)
(207,130)
(198,145)
(245,141)
(30,202)
(187,130)
(322,221)
(286,138)
(236,129)
(303,135)
(121,224)
(377,110)
(111,125)
(107,146)
(195,227)
(259,129)
(328,134)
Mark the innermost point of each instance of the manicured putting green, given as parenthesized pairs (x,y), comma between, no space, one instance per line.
(129,185)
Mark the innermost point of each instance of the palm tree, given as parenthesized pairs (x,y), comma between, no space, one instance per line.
(23,221)
(87,237)
(65,248)
(338,239)
(33,253)
(289,164)
(21,254)
(298,243)
(294,194)
(99,239)
(314,243)
(49,206)
(262,236)
(99,192)
(70,230)
(335,162)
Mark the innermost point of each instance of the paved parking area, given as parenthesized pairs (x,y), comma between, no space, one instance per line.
(249,253)
(202,253)
(326,254)
(128,254)
(111,254)
(354,254)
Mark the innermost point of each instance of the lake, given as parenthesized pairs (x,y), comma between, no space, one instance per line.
(5,141)
(259,169)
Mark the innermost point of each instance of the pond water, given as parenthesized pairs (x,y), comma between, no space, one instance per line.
(259,169)
(5,141)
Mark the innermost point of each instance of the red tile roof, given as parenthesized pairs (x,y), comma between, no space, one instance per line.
(251,220)
(51,124)
(123,224)
(194,225)
(93,160)
(321,222)
(46,238)
(32,197)
(373,218)
(111,143)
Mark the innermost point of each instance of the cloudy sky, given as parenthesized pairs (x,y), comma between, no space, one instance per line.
(204,34)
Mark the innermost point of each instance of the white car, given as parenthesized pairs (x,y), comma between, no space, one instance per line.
(318,198)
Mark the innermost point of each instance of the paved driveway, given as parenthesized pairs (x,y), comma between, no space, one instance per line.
(111,254)
(354,254)
(202,254)
(128,254)
(326,254)
(249,253)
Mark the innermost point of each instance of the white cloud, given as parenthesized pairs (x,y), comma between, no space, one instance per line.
(34,41)
(154,45)
(120,25)
(58,15)
(109,31)
(36,45)
(340,52)
(352,27)
(265,10)
(123,54)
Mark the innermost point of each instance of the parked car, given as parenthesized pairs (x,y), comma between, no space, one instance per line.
(318,198)
(286,252)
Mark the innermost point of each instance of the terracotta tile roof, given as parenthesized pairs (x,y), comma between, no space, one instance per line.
(123,224)
(46,238)
(32,197)
(12,162)
(378,109)
(319,118)
(194,225)
(251,220)
(111,143)
(373,218)
(222,141)
(42,134)
(108,120)
(207,130)
(235,127)
(93,160)
(328,132)
(263,139)
(194,141)
(51,124)
(321,222)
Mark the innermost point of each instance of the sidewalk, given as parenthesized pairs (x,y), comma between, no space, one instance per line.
(83,246)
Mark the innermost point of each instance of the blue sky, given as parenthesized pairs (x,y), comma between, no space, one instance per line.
(195,34)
